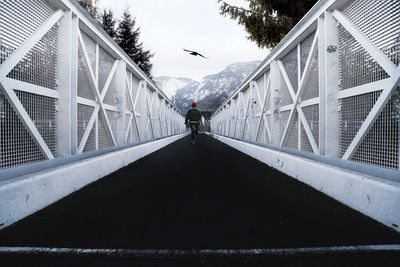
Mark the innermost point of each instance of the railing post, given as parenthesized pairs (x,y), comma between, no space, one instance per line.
(329,87)
(321,83)
(67,63)
(119,82)
(275,96)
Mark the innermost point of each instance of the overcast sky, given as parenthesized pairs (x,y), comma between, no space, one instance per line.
(168,26)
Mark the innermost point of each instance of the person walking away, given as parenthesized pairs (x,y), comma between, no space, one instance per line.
(193,117)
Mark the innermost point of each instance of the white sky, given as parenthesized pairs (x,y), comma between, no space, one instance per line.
(168,26)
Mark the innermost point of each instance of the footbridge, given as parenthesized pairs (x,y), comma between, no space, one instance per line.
(301,166)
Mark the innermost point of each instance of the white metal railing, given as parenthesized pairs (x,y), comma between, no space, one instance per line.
(67,88)
(331,87)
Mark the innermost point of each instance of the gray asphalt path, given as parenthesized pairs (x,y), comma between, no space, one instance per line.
(203,196)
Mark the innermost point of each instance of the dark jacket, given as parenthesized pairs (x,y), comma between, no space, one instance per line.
(193,115)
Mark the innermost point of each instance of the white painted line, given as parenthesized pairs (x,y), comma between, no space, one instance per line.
(173,253)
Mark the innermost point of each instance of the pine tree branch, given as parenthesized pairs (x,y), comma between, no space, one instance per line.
(266,21)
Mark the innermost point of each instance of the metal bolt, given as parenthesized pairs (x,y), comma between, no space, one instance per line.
(331,49)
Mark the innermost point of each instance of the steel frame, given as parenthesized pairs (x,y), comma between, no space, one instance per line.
(323,19)
(72,23)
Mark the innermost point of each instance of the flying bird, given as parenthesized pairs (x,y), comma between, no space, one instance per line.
(194,53)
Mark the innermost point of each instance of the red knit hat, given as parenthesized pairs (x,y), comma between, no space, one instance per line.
(193,105)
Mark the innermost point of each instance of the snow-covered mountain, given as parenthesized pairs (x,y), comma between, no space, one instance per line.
(212,89)
(170,85)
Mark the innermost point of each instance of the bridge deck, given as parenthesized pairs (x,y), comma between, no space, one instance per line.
(199,196)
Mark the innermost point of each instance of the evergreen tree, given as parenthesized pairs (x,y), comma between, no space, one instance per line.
(92,8)
(267,21)
(128,40)
(108,22)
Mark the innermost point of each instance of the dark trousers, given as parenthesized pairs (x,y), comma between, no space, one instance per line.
(194,127)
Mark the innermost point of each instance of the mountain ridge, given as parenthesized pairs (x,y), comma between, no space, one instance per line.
(212,89)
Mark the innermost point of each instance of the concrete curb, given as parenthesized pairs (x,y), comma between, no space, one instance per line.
(23,196)
(375,197)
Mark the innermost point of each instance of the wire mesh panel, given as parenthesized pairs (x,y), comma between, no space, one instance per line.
(156,113)
(167,119)
(129,111)
(153,113)
(138,90)
(263,134)
(357,67)
(106,62)
(141,105)
(172,121)
(112,119)
(261,89)
(84,114)
(153,118)
(17,145)
(226,121)
(91,141)
(286,98)
(42,111)
(86,88)
(265,121)
(90,47)
(305,144)
(380,22)
(5,51)
(247,126)
(164,119)
(354,110)
(254,110)
(268,88)
(128,103)
(269,120)
(242,115)
(283,117)
(39,66)
(18,20)
(268,98)
(135,86)
(311,80)
(129,120)
(290,63)
(104,137)
(144,127)
(135,132)
(147,120)
(305,48)
(312,116)
(292,135)
(129,129)
(381,145)
(164,124)
(232,118)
